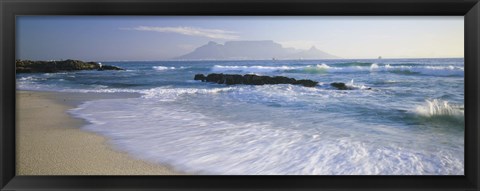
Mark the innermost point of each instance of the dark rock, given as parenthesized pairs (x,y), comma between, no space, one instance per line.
(108,67)
(23,70)
(216,78)
(284,80)
(28,66)
(233,79)
(200,77)
(307,83)
(340,86)
(251,79)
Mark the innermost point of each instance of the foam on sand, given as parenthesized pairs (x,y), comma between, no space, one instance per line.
(51,143)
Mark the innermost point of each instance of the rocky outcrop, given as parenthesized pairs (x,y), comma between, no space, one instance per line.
(28,66)
(251,79)
(200,77)
(340,86)
(343,86)
(108,67)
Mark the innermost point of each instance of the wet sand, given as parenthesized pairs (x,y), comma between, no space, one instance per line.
(49,141)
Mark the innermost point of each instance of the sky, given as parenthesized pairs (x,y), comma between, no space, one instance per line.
(119,38)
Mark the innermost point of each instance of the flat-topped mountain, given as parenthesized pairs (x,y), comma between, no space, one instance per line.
(261,50)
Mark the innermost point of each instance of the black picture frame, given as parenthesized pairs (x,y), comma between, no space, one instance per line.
(9,9)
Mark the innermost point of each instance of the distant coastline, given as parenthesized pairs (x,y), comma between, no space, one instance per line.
(245,50)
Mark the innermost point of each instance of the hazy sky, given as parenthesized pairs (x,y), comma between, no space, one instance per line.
(102,38)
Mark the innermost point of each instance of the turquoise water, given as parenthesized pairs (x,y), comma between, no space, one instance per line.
(404,116)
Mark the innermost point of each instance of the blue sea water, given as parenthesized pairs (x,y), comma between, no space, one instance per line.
(404,116)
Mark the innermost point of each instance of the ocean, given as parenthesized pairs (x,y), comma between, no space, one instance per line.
(403,116)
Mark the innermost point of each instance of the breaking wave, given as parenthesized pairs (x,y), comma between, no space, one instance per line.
(251,69)
(163,68)
(171,94)
(408,69)
(441,110)
(195,142)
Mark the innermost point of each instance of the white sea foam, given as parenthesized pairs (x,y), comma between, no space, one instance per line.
(319,68)
(436,108)
(429,70)
(195,142)
(163,68)
(27,78)
(424,70)
(251,69)
(324,68)
(33,85)
(171,94)
(353,85)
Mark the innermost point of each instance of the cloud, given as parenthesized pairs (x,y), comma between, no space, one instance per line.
(190,31)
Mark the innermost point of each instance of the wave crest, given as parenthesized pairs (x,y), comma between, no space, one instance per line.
(349,68)
(252,69)
(170,94)
(163,68)
(440,108)
(319,68)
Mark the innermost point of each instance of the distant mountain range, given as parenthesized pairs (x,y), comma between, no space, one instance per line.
(254,50)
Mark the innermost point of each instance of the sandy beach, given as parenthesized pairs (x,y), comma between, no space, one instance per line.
(50,142)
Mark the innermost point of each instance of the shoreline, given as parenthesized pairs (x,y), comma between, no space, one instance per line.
(49,141)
